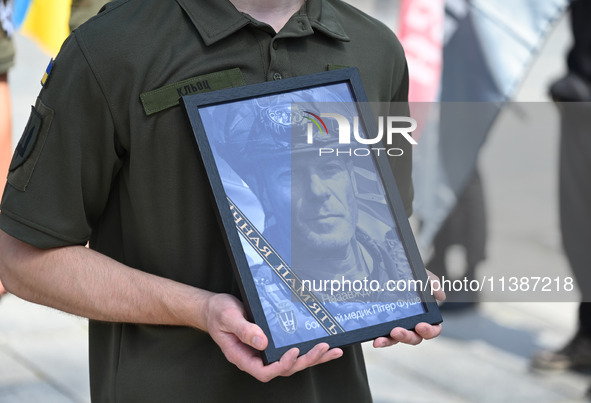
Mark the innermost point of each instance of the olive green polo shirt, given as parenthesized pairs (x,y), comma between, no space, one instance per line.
(108,156)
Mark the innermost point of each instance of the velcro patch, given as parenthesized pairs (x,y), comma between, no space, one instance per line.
(28,139)
(332,66)
(29,147)
(168,96)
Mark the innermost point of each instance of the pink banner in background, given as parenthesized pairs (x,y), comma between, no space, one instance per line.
(421,34)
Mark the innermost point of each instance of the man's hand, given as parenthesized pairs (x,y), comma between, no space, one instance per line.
(240,339)
(422,331)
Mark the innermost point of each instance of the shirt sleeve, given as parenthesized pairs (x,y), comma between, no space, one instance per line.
(64,166)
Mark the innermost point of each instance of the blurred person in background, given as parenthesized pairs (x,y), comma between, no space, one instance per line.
(465,226)
(573,94)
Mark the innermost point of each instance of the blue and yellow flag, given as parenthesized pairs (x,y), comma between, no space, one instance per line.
(44,21)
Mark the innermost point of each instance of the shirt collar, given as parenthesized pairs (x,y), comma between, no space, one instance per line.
(218,19)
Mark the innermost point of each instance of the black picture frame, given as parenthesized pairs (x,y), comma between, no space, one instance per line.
(250,153)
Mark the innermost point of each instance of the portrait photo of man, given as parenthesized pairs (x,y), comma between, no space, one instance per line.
(324,212)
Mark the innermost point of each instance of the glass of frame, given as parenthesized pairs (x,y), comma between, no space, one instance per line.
(315,226)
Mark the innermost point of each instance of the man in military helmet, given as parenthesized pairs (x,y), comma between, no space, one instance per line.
(315,216)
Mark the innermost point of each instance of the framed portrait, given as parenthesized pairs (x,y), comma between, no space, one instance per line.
(313,220)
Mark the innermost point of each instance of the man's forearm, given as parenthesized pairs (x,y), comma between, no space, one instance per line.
(78,280)
(83,282)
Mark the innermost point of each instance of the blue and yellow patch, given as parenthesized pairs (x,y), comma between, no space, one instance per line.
(47,73)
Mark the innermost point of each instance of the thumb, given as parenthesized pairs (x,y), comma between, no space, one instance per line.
(248,332)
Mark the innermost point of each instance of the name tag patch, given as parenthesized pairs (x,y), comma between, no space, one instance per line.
(168,96)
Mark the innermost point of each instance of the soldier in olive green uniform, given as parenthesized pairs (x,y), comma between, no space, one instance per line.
(108,157)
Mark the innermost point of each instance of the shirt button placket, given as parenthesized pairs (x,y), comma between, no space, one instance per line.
(274,59)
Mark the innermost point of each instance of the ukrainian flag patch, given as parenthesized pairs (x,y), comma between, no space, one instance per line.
(47,73)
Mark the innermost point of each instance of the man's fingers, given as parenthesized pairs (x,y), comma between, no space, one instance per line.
(249,333)
(233,320)
(382,342)
(405,336)
(249,361)
(243,356)
(289,363)
(283,367)
(240,339)
(319,354)
(427,331)
(330,355)
(438,292)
